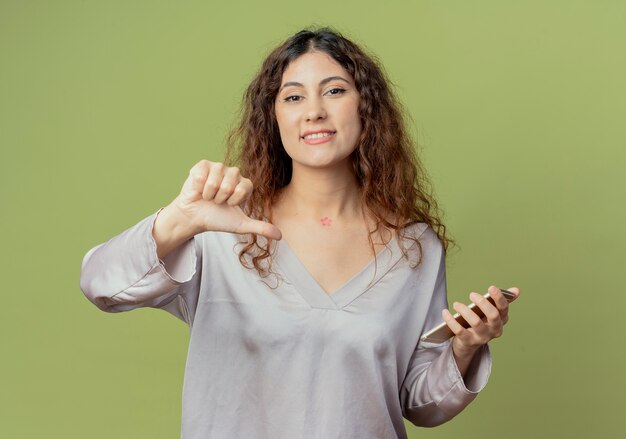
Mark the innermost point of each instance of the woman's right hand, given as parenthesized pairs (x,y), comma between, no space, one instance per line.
(208,201)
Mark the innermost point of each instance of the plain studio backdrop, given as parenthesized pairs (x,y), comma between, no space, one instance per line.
(519,111)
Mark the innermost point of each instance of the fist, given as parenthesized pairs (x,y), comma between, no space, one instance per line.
(211,197)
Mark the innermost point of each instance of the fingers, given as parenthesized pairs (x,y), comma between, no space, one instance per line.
(454,326)
(194,184)
(470,316)
(213,181)
(218,183)
(502,304)
(480,331)
(498,297)
(496,315)
(227,186)
(515,291)
(241,193)
(470,337)
(490,311)
(229,182)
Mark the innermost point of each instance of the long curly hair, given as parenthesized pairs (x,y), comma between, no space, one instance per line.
(394,186)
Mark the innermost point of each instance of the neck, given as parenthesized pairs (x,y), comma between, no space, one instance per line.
(322,193)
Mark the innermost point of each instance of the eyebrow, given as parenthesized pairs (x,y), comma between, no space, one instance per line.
(322,82)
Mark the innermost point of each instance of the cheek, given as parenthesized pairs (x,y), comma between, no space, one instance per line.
(285,123)
(355,125)
(354,120)
(358,124)
(288,135)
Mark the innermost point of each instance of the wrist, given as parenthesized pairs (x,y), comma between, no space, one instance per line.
(176,220)
(463,355)
(171,228)
(463,351)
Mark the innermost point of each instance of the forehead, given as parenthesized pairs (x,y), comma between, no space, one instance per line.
(314,66)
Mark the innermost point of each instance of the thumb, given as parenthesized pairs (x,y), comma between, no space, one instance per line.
(266,229)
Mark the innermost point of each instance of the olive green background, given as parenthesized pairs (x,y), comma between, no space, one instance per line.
(519,109)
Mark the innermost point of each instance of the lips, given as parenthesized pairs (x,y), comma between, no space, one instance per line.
(319,134)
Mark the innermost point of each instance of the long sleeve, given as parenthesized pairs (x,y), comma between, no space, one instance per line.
(125,273)
(433,391)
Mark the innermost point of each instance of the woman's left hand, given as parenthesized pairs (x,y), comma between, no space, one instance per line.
(467,340)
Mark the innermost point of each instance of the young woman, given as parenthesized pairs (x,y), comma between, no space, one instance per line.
(308,273)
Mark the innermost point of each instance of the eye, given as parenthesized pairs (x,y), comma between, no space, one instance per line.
(336,91)
(293,98)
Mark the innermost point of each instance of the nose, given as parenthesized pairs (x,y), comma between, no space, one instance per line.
(315,110)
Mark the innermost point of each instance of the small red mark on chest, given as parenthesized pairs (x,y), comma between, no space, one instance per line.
(326,221)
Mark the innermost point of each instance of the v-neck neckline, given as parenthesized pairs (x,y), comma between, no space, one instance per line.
(311,291)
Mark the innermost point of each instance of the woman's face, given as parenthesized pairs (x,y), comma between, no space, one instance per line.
(317,111)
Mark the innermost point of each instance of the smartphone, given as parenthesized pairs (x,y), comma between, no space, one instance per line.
(442,333)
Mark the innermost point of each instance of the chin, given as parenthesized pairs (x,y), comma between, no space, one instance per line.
(325,163)
(319,157)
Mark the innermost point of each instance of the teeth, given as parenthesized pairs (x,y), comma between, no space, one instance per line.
(317,136)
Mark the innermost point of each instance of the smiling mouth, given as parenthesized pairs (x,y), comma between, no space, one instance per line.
(318,135)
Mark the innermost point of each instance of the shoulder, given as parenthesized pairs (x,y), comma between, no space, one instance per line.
(423,233)
(421,243)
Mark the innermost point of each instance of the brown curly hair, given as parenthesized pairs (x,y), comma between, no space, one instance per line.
(391,178)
